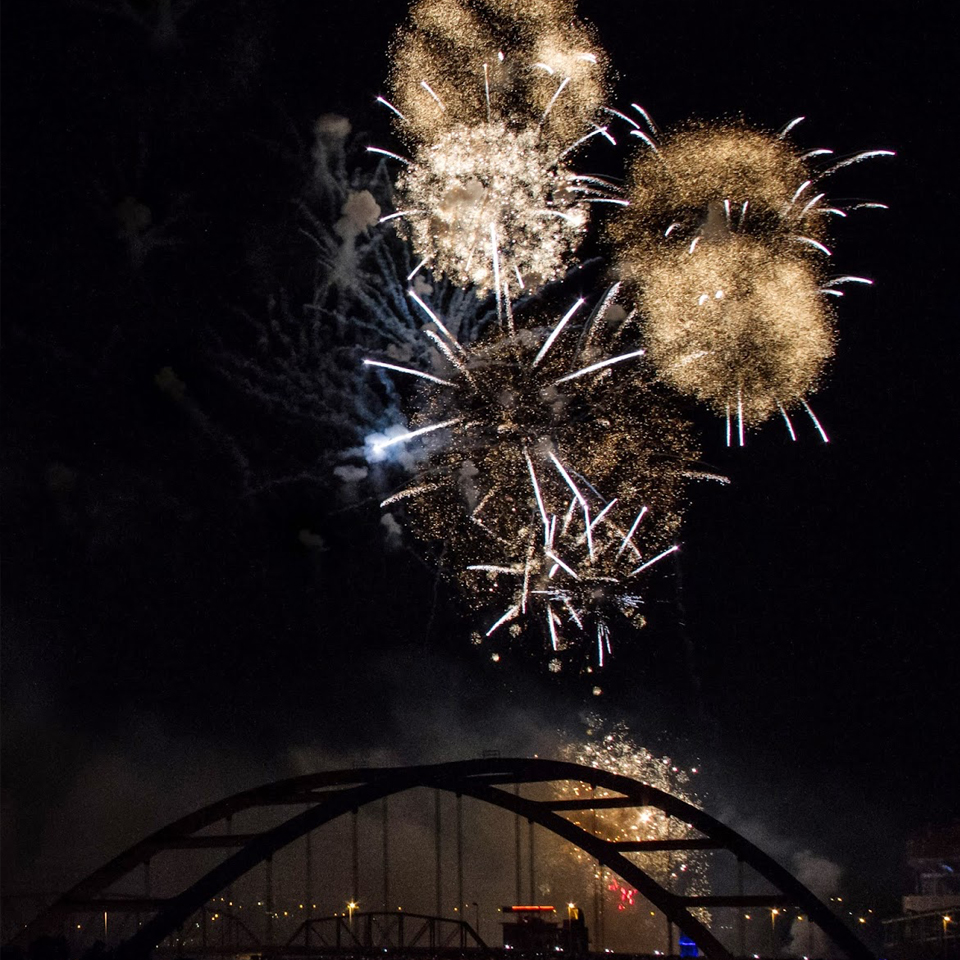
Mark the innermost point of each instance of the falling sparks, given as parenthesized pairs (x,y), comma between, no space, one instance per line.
(572,586)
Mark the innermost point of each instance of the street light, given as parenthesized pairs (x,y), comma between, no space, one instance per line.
(351,907)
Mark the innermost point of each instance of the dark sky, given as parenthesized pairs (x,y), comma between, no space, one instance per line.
(161,612)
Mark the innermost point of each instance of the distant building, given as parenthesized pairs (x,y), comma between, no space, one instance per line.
(929,928)
(535,931)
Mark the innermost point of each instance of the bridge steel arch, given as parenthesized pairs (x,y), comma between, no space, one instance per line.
(332,794)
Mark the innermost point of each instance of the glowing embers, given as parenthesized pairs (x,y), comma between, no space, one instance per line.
(489,206)
(740,327)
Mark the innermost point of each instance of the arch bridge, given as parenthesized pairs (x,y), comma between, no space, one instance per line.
(499,782)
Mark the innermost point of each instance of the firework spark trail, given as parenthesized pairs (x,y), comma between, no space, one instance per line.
(539,496)
(786,420)
(633,529)
(382,445)
(509,615)
(592,328)
(407,370)
(388,153)
(599,365)
(816,422)
(580,499)
(548,343)
(656,559)
(410,492)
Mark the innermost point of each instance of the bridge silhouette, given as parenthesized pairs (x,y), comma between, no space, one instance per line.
(535,791)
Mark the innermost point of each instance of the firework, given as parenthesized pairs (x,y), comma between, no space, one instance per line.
(741,328)
(725,243)
(542,457)
(611,748)
(298,357)
(492,100)
(488,204)
(575,578)
(463,63)
(707,180)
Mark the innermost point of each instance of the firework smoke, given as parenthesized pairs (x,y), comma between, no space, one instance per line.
(298,357)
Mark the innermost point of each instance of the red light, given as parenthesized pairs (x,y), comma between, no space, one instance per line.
(627,895)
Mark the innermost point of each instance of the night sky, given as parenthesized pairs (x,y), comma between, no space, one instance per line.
(191,605)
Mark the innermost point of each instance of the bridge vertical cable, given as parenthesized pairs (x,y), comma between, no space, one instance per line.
(229,831)
(355,880)
(741,917)
(516,835)
(533,877)
(308,887)
(438,851)
(268,900)
(386,854)
(460,866)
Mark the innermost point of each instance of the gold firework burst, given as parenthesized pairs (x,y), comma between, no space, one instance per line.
(460,63)
(491,208)
(741,326)
(724,247)
(723,176)
(493,98)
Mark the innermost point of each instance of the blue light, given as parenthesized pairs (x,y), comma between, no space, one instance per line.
(687,947)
